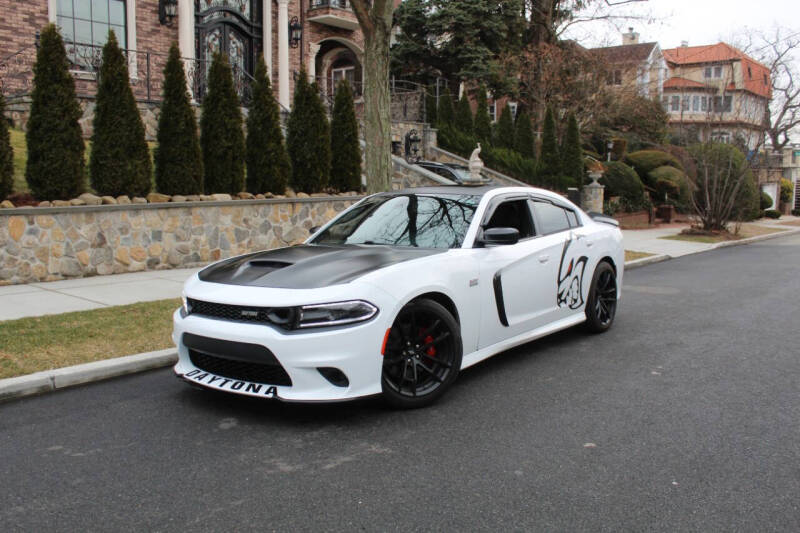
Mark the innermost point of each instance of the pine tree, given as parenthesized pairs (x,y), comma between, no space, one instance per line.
(483,123)
(55,168)
(268,165)
(550,161)
(345,148)
(463,118)
(308,138)
(504,137)
(221,135)
(179,162)
(120,160)
(572,154)
(430,106)
(523,136)
(6,154)
(446,114)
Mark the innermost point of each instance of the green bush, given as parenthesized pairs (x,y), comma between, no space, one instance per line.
(669,183)
(549,158)
(620,180)
(720,163)
(796,212)
(345,148)
(764,201)
(308,138)
(786,191)
(504,131)
(179,162)
(445,113)
(6,154)
(523,136)
(645,161)
(572,154)
(55,167)
(267,161)
(221,134)
(463,116)
(483,123)
(512,163)
(772,213)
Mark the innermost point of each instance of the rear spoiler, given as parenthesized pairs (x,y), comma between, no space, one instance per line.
(600,217)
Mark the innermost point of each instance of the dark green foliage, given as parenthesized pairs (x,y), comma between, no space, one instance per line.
(483,123)
(6,154)
(179,162)
(345,148)
(669,183)
(463,118)
(549,158)
(787,190)
(524,142)
(772,213)
(721,168)
(504,133)
(764,201)
(221,135)
(308,138)
(120,159)
(268,165)
(445,113)
(55,168)
(572,154)
(619,148)
(620,180)
(431,115)
(645,161)
(796,212)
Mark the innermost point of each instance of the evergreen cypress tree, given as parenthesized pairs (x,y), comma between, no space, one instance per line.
(431,115)
(268,165)
(179,162)
(483,123)
(445,112)
(523,136)
(463,118)
(504,137)
(55,168)
(550,161)
(572,154)
(6,154)
(120,160)
(345,148)
(221,135)
(308,138)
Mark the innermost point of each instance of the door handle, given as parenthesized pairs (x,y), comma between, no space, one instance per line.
(544,258)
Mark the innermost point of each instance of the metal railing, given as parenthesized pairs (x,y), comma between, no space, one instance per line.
(339,4)
(407,98)
(16,71)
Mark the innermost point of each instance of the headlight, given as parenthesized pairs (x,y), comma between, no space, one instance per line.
(335,314)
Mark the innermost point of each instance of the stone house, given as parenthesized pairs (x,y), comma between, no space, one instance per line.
(634,67)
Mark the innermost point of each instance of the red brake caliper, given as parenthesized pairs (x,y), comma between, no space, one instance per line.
(430,351)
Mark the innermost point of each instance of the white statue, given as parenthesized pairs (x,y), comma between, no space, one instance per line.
(475,164)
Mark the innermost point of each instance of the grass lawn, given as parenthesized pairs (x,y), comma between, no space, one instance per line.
(630,255)
(747,230)
(30,345)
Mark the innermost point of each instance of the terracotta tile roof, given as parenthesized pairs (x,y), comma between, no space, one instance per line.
(626,53)
(682,83)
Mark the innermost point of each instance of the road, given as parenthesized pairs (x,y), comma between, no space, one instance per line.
(685,416)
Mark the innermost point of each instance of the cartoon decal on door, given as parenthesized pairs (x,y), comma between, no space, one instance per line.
(570,279)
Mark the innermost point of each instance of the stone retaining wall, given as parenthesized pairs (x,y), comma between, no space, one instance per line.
(43,244)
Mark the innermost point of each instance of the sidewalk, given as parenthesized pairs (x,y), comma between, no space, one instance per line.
(36,299)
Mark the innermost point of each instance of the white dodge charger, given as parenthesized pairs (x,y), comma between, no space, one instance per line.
(397,294)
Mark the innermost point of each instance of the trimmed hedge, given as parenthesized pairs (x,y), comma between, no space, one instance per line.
(786,191)
(345,148)
(772,213)
(620,180)
(308,138)
(670,181)
(645,161)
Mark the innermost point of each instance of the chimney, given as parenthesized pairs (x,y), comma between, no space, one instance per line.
(630,38)
(684,44)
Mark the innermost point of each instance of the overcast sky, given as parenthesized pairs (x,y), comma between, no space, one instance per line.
(697,21)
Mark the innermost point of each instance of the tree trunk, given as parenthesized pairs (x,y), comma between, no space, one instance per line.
(377,109)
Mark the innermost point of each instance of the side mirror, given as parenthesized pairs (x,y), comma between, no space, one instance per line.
(500,236)
(313,229)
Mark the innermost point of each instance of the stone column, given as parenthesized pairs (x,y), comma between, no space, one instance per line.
(186,28)
(592,194)
(312,60)
(283,53)
(267,34)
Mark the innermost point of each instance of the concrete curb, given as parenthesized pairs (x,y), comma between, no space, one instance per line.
(60,378)
(644,261)
(758,238)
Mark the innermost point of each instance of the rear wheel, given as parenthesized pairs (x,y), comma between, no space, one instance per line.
(422,356)
(601,307)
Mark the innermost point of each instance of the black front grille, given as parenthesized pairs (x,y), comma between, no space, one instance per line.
(268,374)
(279,316)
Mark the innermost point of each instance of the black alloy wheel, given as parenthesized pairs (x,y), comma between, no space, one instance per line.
(422,356)
(602,305)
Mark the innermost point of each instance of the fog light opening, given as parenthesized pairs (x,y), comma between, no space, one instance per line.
(334,375)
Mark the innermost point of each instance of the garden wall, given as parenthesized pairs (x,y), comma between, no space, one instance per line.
(42,244)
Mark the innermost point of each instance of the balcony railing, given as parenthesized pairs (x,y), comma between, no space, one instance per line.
(339,4)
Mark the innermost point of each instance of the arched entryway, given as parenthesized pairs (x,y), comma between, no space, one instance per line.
(336,60)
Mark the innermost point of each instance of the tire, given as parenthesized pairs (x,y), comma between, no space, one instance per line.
(422,356)
(601,307)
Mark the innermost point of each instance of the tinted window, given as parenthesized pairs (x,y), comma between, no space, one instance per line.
(513,214)
(551,218)
(573,218)
(405,220)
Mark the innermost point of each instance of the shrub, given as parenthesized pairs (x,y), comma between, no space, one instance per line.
(720,163)
(6,154)
(772,213)
(572,154)
(645,161)
(55,168)
(523,136)
(669,182)
(445,113)
(430,106)
(345,148)
(268,164)
(221,135)
(620,180)
(796,212)
(549,159)
(308,138)
(179,162)
(619,148)
(463,116)
(786,191)
(512,163)
(483,124)
(504,132)
(764,201)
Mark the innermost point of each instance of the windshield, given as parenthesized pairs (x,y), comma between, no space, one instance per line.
(414,220)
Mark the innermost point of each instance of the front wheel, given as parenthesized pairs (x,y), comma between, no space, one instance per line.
(422,356)
(601,307)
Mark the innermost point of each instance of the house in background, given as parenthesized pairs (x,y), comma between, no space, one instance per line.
(634,67)
(716,92)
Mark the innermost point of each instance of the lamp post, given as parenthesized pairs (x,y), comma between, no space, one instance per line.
(610,147)
(167,11)
(295,32)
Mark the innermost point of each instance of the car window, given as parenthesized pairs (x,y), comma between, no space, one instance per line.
(573,218)
(513,214)
(551,218)
(414,220)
